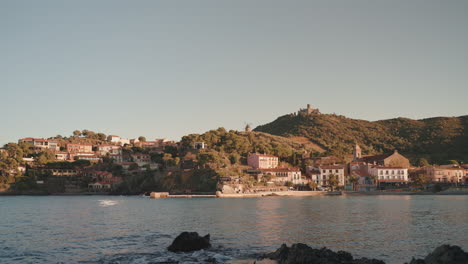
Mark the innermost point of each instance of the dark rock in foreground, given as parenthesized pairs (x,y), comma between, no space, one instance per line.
(444,254)
(189,241)
(302,253)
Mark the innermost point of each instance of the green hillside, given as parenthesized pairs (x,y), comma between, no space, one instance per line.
(437,139)
(242,143)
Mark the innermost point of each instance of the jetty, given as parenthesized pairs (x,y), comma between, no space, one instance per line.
(159,195)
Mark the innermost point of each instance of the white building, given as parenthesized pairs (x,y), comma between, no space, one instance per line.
(322,174)
(141,159)
(118,140)
(111,149)
(389,174)
(199,145)
(39,144)
(283,175)
(113,138)
(262,161)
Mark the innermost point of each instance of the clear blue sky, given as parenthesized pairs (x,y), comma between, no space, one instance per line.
(167,69)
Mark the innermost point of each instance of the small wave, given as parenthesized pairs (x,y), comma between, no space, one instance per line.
(107,203)
(202,256)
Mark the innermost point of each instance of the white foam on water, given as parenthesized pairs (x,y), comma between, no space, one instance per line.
(107,203)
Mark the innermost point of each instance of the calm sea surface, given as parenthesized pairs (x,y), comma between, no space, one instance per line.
(118,229)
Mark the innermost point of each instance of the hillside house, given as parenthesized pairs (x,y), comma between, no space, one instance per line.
(109,149)
(283,175)
(74,148)
(394,159)
(262,161)
(322,174)
(441,174)
(40,144)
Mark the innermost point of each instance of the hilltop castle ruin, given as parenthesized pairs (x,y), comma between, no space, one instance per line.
(309,110)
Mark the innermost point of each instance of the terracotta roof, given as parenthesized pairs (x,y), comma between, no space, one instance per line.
(393,181)
(125,163)
(37,139)
(78,144)
(390,168)
(282,169)
(264,155)
(108,145)
(375,157)
(326,167)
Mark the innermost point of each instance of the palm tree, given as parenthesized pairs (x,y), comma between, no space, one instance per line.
(353,179)
(313,185)
(332,181)
(375,180)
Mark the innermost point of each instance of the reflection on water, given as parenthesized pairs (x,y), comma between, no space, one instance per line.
(111,229)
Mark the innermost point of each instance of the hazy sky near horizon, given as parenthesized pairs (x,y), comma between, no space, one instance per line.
(170,68)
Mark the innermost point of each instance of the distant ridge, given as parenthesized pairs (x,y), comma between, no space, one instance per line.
(437,139)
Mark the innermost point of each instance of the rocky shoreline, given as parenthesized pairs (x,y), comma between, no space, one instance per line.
(303,254)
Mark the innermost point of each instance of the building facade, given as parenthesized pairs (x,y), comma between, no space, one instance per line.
(109,149)
(283,175)
(321,175)
(394,159)
(73,148)
(39,144)
(262,161)
(439,174)
(389,174)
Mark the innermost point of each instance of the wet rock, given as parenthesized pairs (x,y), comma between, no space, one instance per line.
(189,241)
(444,254)
(302,253)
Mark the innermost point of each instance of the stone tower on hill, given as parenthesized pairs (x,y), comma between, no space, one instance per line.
(309,110)
(357,153)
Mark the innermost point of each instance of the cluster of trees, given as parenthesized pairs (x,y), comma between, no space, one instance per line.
(236,145)
(437,139)
(89,134)
(11,157)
